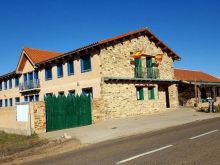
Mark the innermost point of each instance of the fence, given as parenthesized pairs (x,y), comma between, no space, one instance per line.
(67,112)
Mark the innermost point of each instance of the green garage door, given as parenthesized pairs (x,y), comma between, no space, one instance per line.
(67,112)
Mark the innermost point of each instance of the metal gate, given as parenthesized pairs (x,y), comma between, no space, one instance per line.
(67,112)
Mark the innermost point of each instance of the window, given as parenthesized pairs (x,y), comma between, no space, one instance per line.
(87,91)
(61,93)
(36,75)
(16,81)
(17,100)
(5,85)
(0,86)
(30,76)
(36,97)
(25,77)
(59,70)
(6,102)
(70,67)
(31,98)
(140,93)
(48,73)
(10,102)
(10,83)
(0,103)
(72,93)
(26,98)
(85,62)
(151,95)
(49,94)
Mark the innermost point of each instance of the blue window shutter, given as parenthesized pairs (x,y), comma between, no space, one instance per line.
(36,97)
(46,74)
(85,61)
(50,71)
(68,68)
(36,76)
(16,81)
(25,77)
(81,65)
(58,71)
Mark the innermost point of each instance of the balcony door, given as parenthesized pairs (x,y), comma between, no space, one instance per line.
(25,77)
(138,68)
(149,65)
(30,76)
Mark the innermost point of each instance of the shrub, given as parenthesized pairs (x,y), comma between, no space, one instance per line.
(203,109)
(217,108)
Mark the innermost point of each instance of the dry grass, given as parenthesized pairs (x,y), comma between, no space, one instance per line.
(11,143)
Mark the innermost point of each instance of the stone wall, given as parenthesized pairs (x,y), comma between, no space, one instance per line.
(173,95)
(38,110)
(120,100)
(116,60)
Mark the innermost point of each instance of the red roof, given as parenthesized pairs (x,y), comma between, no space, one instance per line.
(152,37)
(190,75)
(38,56)
(145,31)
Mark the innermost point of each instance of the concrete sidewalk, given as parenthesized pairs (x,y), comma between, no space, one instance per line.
(116,128)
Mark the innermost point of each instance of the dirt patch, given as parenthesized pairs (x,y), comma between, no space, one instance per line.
(34,148)
(11,143)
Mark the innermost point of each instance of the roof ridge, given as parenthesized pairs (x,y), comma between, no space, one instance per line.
(200,72)
(43,50)
(188,70)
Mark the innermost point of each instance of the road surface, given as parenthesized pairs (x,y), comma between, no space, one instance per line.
(197,143)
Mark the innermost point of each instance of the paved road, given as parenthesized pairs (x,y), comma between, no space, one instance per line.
(196,143)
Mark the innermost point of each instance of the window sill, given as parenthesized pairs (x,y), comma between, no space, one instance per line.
(84,71)
(70,74)
(48,79)
(59,76)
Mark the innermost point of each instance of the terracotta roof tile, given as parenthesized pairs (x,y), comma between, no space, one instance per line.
(153,37)
(190,75)
(38,56)
(148,33)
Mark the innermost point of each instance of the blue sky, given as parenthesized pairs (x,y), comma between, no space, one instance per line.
(190,28)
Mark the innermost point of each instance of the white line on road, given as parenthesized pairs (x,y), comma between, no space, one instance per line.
(195,137)
(146,153)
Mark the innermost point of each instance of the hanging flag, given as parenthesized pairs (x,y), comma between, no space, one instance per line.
(159,57)
(137,54)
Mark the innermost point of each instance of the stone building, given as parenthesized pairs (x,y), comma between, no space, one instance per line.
(121,83)
(196,86)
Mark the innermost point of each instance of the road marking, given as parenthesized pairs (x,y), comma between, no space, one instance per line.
(146,153)
(195,137)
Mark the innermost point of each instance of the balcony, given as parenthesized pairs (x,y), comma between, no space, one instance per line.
(148,73)
(33,85)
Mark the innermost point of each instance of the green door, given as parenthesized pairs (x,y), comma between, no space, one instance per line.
(150,70)
(138,68)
